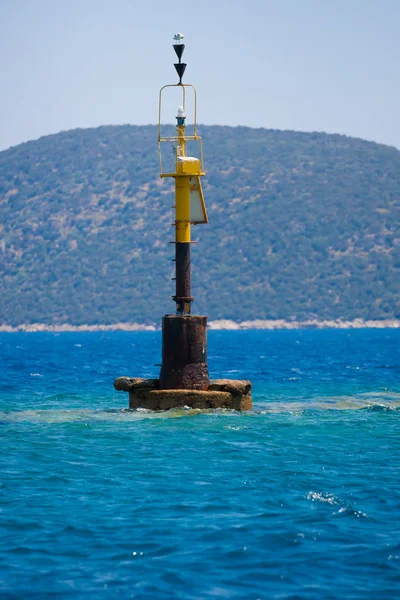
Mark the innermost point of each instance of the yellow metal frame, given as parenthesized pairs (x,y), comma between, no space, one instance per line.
(187,174)
(175,138)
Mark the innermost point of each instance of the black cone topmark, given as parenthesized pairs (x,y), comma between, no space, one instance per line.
(179,48)
(180,69)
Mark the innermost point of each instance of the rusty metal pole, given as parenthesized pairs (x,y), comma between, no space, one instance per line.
(184,353)
(184,337)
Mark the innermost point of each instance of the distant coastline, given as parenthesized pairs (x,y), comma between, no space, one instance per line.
(220,324)
(74,250)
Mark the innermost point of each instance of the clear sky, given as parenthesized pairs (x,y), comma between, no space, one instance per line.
(308,65)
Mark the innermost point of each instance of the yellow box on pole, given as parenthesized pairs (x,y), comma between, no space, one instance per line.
(188,165)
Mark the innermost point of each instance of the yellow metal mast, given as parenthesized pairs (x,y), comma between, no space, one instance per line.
(189,200)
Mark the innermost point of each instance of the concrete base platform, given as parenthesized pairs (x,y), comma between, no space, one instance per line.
(221,393)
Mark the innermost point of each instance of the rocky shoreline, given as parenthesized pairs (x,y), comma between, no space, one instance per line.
(220,325)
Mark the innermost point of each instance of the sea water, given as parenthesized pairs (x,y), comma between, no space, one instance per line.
(298,499)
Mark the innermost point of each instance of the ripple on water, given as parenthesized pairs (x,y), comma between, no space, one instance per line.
(297,499)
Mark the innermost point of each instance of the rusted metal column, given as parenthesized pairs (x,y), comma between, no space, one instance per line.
(182,298)
(184,353)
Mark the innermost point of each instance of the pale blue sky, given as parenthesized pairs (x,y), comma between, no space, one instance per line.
(308,65)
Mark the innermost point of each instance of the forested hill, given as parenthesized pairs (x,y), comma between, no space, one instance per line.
(301,225)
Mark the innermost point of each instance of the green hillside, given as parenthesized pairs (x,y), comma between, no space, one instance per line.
(301,225)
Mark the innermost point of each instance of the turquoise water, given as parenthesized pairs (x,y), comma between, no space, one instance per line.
(299,499)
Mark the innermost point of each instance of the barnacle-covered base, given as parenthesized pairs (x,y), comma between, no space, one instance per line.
(221,393)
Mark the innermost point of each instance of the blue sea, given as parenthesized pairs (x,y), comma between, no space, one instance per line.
(299,499)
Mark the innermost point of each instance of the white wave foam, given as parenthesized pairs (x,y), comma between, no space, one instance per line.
(322,497)
(218,324)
